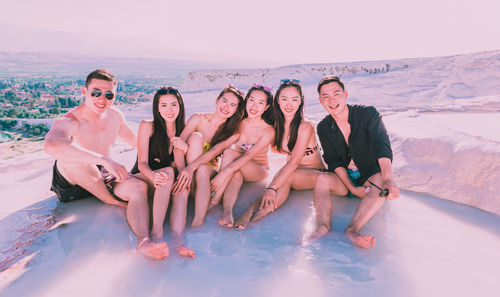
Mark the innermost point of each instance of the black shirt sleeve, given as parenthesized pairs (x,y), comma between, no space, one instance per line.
(326,137)
(377,134)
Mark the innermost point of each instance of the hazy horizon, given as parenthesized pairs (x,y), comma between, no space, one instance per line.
(263,34)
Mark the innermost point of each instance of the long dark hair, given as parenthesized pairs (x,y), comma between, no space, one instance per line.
(160,142)
(267,116)
(279,117)
(231,125)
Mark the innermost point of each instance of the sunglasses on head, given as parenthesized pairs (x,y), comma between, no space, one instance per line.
(235,90)
(290,81)
(97,93)
(262,87)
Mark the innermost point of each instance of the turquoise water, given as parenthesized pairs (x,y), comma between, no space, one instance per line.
(4,137)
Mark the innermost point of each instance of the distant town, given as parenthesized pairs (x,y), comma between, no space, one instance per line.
(36,98)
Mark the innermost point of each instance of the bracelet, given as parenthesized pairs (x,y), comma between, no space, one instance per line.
(273,189)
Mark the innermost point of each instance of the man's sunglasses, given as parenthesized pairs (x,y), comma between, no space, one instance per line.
(97,93)
(262,87)
(290,81)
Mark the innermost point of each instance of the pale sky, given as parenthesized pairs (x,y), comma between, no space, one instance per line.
(265,32)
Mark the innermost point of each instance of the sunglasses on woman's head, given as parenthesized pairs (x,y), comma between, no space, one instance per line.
(290,81)
(235,90)
(262,87)
(97,93)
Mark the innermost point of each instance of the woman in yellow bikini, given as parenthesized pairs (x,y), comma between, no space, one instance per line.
(247,159)
(295,137)
(203,139)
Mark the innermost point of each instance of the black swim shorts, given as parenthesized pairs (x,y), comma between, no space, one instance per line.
(64,190)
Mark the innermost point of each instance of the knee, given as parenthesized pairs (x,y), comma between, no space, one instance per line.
(238,176)
(137,189)
(181,198)
(322,179)
(203,172)
(195,138)
(169,171)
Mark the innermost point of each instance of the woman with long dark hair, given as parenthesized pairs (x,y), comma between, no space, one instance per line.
(295,137)
(247,160)
(207,135)
(156,160)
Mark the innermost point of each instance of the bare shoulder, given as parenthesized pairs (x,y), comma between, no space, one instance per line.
(65,126)
(146,124)
(268,130)
(70,120)
(197,117)
(306,126)
(115,113)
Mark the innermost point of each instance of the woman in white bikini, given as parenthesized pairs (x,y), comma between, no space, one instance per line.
(295,137)
(203,139)
(247,160)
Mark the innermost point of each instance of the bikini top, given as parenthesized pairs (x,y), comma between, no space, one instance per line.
(260,158)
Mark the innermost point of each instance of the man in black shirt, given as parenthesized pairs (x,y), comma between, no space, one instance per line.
(358,153)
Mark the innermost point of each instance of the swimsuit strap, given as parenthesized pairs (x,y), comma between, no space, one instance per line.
(204,121)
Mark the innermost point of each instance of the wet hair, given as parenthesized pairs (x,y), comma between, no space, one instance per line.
(279,118)
(159,141)
(329,79)
(101,74)
(231,125)
(268,115)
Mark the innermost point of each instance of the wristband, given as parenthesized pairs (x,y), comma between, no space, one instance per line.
(273,189)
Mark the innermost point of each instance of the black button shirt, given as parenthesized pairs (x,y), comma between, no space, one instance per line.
(368,141)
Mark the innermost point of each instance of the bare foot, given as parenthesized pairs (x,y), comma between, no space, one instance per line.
(186,252)
(260,214)
(196,223)
(227,219)
(364,241)
(242,222)
(153,250)
(321,231)
(214,201)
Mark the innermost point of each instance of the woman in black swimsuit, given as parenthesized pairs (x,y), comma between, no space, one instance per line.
(156,160)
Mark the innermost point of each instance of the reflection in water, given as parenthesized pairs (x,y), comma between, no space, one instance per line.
(21,231)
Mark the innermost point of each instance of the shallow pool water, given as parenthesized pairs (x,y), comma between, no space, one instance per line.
(425,247)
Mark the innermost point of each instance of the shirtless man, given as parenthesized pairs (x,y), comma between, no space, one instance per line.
(81,140)
(356,147)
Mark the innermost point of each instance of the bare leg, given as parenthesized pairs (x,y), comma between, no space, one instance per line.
(227,158)
(253,213)
(195,150)
(135,192)
(178,222)
(281,196)
(202,196)
(367,208)
(86,176)
(242,222)
(160,204)
(230,197)
(326,183)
